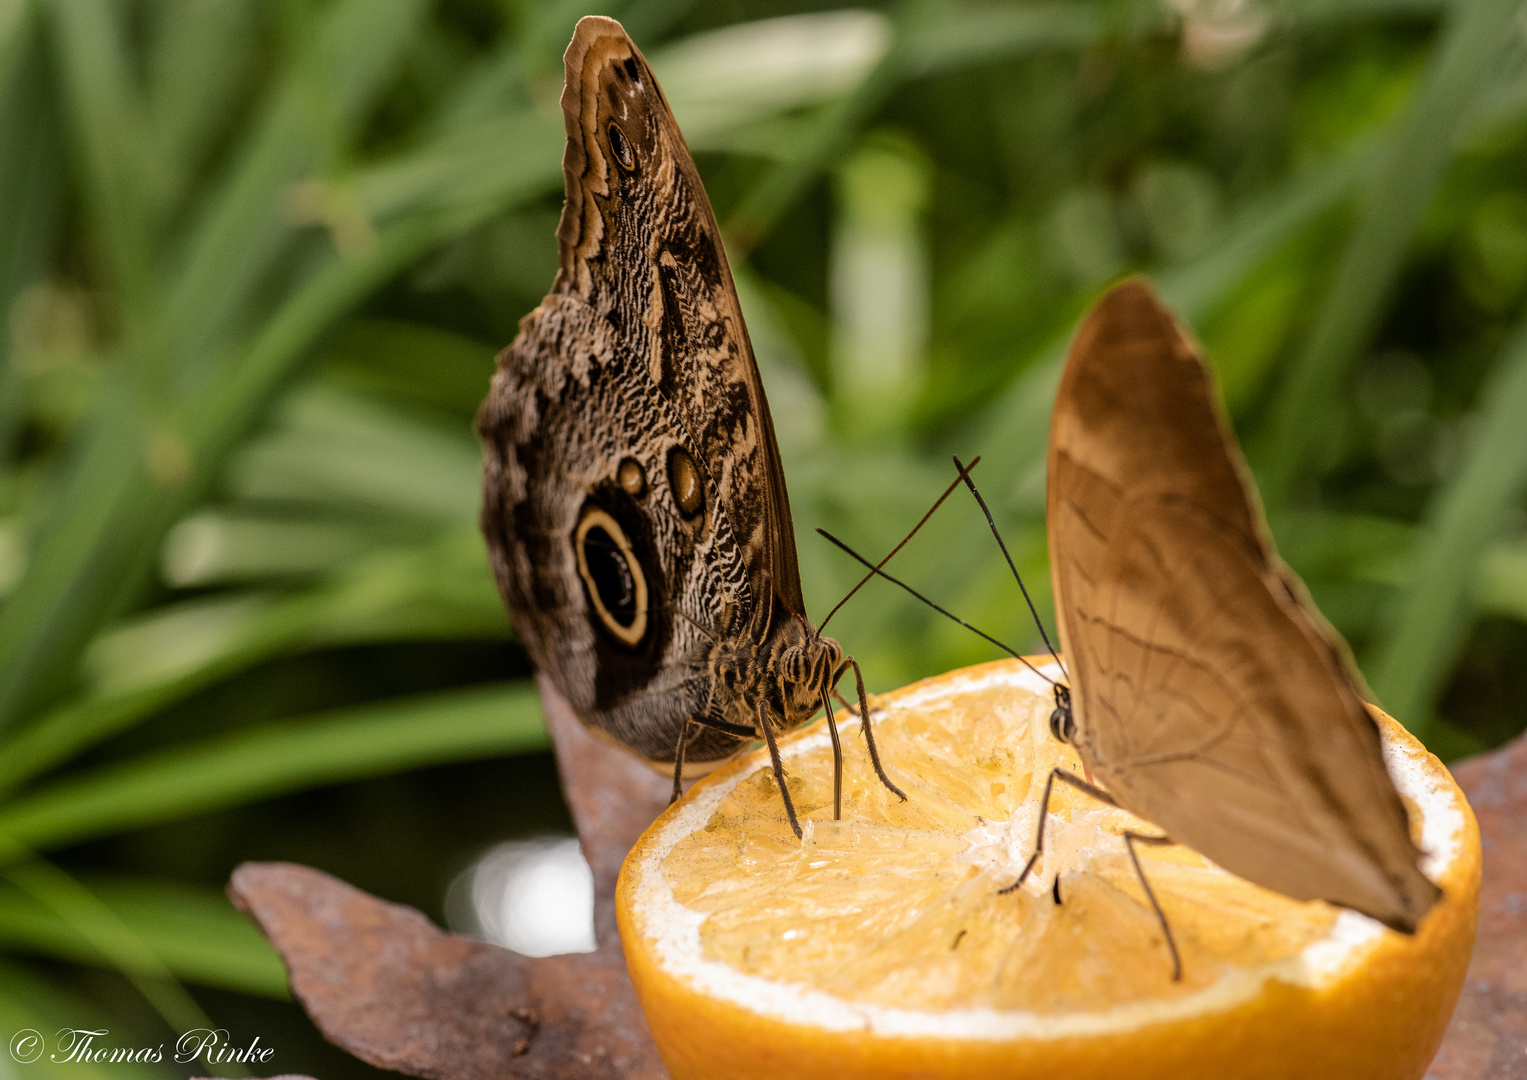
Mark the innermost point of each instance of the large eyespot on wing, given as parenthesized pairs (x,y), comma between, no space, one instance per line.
(613,579)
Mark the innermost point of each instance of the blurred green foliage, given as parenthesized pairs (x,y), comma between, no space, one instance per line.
(256,260)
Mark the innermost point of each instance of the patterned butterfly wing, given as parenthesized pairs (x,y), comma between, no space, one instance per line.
(634,505)
(1210,698)
(639,244)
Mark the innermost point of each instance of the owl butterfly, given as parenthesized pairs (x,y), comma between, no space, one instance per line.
(633,501)
(1207,695)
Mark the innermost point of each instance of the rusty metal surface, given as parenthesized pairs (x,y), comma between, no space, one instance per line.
(613,798)
(382,982)
(385,984)
(1487,1039)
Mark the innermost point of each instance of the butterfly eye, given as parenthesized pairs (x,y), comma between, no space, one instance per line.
(632,477)
(795,664)
(612,576)
(620,147)
(684,479)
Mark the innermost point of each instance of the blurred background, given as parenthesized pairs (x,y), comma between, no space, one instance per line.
(256,259)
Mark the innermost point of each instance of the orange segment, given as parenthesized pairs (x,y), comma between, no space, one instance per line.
(880,946)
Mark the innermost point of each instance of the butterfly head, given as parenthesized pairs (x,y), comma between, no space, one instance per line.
(806,667)
(1062,722)
(810,662)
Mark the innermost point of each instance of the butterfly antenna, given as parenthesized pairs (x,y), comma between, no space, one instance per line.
(692,621)
(876,571)
(964,475)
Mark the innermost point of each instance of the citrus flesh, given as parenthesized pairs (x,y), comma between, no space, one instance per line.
(881,945)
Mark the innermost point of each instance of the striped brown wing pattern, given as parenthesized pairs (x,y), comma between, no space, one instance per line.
(639,244)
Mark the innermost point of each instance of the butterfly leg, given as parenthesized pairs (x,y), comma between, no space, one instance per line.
(734,730)
(779,766)
(1044,813)
(1130,840)
(737,731)
(837,759)
(678,764)
(864,723)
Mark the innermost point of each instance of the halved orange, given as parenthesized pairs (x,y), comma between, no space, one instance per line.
(881,946)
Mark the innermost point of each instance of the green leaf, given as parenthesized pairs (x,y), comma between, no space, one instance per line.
(1465,516)
(733,76)
(110,520)
(138,467)
(441,590)
(928,38)
(83,913)
(408,362)
(786,181)
(28,1002)
(341,451)
(194,933)
(228,547)
(1265,226)
(126,177)
(964,37)
(1018,426)
(1324,12)
(1502,587)
(306,123)
(496,162)
(172,641)
(30,171)
(1338,545)
(279,758)
(199,55)
(1465,61)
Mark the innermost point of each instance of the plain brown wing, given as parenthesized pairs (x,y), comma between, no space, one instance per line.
(1209,696)
(637,211)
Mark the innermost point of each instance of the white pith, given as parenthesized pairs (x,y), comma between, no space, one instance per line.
(674,929)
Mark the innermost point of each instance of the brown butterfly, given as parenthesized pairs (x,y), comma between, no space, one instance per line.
(633,500)
(1207,694)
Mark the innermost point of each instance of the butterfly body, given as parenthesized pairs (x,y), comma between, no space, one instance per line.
(634,505)
(1206,693)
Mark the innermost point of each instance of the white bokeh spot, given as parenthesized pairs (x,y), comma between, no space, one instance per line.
(533,896)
